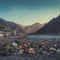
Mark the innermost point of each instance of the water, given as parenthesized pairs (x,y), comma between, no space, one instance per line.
(44,36)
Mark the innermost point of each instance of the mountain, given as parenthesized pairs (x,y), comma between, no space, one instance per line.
(33,28)
(52,27)
(11,26)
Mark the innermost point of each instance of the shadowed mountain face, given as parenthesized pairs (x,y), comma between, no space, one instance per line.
(33,28)
(7,25)
(52,27)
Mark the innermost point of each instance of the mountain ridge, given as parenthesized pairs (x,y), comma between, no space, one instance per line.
(33,28)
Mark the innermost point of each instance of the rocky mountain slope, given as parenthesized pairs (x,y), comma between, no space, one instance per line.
(52,27)
(10,26)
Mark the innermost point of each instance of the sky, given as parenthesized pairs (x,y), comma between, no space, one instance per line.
(27,12)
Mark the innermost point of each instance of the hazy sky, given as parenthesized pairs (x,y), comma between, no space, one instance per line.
(29,11)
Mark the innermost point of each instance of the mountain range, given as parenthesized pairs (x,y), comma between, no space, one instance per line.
(52,27)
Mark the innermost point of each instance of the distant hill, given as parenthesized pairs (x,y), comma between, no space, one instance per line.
(33,28)
(52,27)
(9,26)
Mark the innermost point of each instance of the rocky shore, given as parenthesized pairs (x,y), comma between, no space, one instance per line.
(29,49)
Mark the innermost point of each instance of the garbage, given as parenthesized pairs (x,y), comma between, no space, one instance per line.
(15,43)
